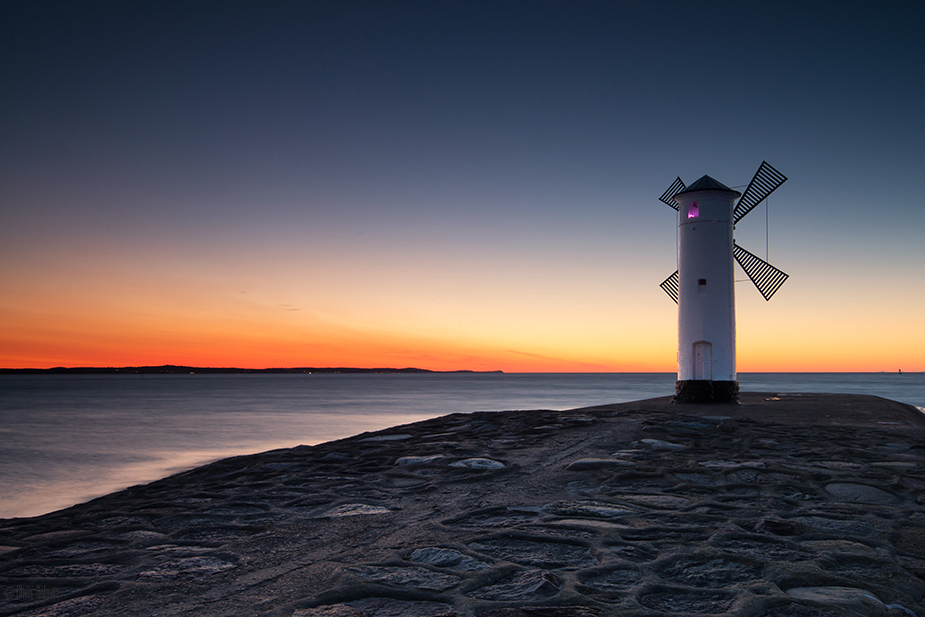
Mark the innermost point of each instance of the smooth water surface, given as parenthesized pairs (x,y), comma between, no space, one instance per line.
(68,438)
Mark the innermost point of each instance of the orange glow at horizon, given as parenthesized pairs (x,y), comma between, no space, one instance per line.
(234,344)
(505,315)
(269,338)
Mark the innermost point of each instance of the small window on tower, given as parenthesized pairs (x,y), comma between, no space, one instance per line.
(702,282)
(694,210)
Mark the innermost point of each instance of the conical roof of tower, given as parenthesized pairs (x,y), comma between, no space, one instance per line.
(707,183)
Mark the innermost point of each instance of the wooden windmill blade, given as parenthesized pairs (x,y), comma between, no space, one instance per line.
(765,182)
(668,196)
(670,285)
(766,277)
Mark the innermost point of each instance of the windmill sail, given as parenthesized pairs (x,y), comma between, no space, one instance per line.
(670,285)
(766,180)
(676,187)
(766,277)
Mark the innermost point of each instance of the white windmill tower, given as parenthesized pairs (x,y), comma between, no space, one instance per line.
(703,284)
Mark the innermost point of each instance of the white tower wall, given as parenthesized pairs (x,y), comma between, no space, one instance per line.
(706,302)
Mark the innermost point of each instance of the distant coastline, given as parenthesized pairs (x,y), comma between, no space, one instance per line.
(170,369)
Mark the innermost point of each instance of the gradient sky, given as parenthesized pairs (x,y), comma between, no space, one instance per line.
(451,185)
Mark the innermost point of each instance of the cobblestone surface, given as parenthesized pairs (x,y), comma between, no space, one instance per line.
(642,509)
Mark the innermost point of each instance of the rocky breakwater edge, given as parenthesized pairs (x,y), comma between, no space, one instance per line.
(783,506)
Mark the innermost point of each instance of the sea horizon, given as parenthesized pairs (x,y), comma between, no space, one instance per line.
(175,368)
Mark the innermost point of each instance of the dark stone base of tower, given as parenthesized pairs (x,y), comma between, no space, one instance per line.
(704,391)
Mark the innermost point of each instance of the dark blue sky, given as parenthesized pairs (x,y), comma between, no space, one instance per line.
(460,134)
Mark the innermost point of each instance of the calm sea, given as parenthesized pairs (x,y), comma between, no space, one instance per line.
(68,438)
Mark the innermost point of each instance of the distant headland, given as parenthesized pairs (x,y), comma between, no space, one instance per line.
(170,369)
